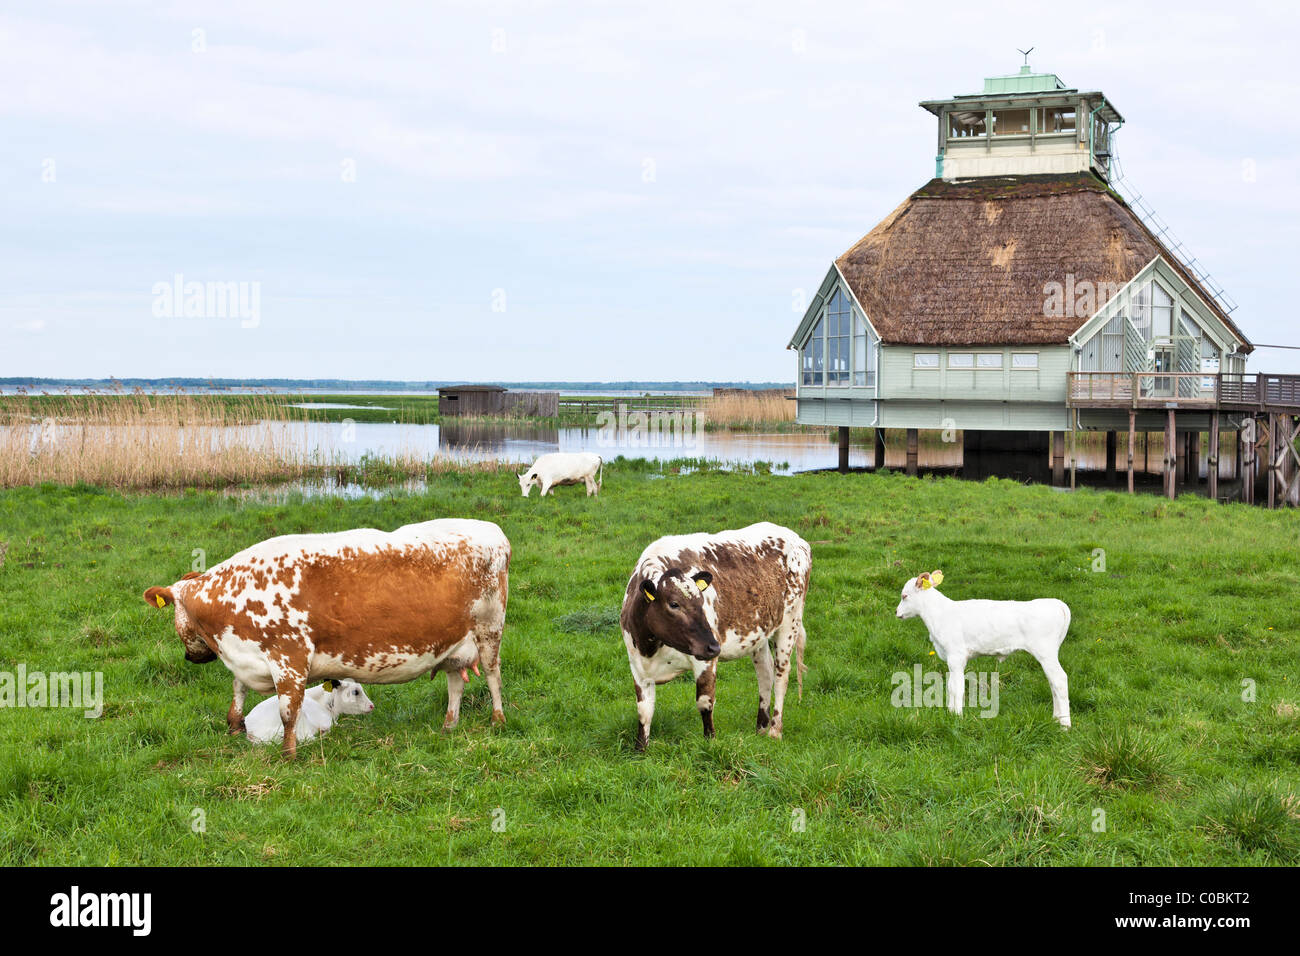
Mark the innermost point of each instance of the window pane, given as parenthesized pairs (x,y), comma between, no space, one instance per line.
(964,125)
(926,359)
(961,360)
(990,360)
(1008,122)
(1024,360)
(1058,120)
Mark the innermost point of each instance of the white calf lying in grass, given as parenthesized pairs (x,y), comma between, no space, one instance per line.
(321,707)
(960,630)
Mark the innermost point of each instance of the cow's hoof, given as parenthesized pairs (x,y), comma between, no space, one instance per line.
(498,718)
(762,722)
(774,731)
(450,721)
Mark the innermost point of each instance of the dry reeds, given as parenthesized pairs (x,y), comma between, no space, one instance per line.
(137,440)
(748,409)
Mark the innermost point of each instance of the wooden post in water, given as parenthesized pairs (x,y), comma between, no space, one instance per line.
(1058,459)
(1146,452)
(1171,455)
(1193,458)
(1212,464)
(913,441)
(878,454)
(1112,440)
(1132,436)
(1074,456)
(844,448)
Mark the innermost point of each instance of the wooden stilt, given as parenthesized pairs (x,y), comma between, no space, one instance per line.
(878,454)
(1146,453)
(1112,440)
(913,448)
(1074,456)
(1212,464)
(1058,459)
(1193,458)
(844,448)
(1171,455)
(1274,440)
(1246,437)
(1132,436)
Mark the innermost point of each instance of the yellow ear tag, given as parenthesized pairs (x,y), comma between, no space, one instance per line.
(936,578)
(328,685)
(648,595)
(926,583)
(701,584)
(159,599)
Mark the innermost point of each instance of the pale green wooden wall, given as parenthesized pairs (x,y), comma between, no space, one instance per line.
(899,379)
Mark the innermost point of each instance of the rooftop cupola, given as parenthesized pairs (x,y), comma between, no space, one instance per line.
(1023,124)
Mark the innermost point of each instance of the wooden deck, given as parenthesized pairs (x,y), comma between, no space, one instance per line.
(1257,393)
(1266,407)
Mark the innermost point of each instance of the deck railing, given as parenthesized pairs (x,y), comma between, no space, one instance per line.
(1183,390)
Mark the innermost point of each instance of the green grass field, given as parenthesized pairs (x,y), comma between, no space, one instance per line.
(1195,600)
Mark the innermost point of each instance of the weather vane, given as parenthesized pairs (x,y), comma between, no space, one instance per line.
(1026,53)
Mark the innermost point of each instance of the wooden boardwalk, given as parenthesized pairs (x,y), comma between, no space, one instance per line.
(1266,406)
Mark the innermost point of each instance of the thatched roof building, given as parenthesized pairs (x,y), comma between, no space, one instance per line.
(971,305)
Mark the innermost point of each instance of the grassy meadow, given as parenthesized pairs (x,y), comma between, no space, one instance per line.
(1172,760)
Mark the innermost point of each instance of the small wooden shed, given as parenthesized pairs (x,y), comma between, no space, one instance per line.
(495,401)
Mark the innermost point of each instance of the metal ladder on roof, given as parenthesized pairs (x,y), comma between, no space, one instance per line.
(1160,229)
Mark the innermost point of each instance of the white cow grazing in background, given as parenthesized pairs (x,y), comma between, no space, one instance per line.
(564,468)
(321,707)
(960,630)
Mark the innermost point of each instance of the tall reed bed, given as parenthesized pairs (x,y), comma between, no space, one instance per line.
(138,440)
(748,409)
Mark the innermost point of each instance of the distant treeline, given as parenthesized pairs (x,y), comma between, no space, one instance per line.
(342,384)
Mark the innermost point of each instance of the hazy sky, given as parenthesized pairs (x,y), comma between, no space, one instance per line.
(571,191)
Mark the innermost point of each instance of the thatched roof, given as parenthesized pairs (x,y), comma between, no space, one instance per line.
(966,263)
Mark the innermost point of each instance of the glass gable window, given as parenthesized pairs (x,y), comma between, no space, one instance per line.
(1059,119)
(864,353)
(814,365)
(840,350)
(1162,313)
(1011,122)
(965,125)
(838,316)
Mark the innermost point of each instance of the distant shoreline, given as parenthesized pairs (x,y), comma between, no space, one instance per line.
(359,386)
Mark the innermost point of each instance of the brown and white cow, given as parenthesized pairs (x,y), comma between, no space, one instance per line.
(374,606)
(696,599)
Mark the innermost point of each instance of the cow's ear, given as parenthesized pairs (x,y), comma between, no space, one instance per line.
(703,579)
(648,589)
(158,597)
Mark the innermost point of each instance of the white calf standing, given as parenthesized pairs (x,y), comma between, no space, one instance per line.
(960,630)
(321,707)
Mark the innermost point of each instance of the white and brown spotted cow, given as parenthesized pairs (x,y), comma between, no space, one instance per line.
(696,599)
(374,606)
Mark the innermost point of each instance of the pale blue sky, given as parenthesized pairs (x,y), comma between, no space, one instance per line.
(649,185)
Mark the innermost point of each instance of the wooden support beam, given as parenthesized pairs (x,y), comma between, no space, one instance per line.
(913,449)
(844,448)
(1171,455)
(1112,440)
(1246,438)
(1274,462)
(1074,457)
(878,453)
(1132,436)
(1212,463)
(1058,459)
(1193,458)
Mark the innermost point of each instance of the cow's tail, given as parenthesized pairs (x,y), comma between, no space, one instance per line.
(600,472)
